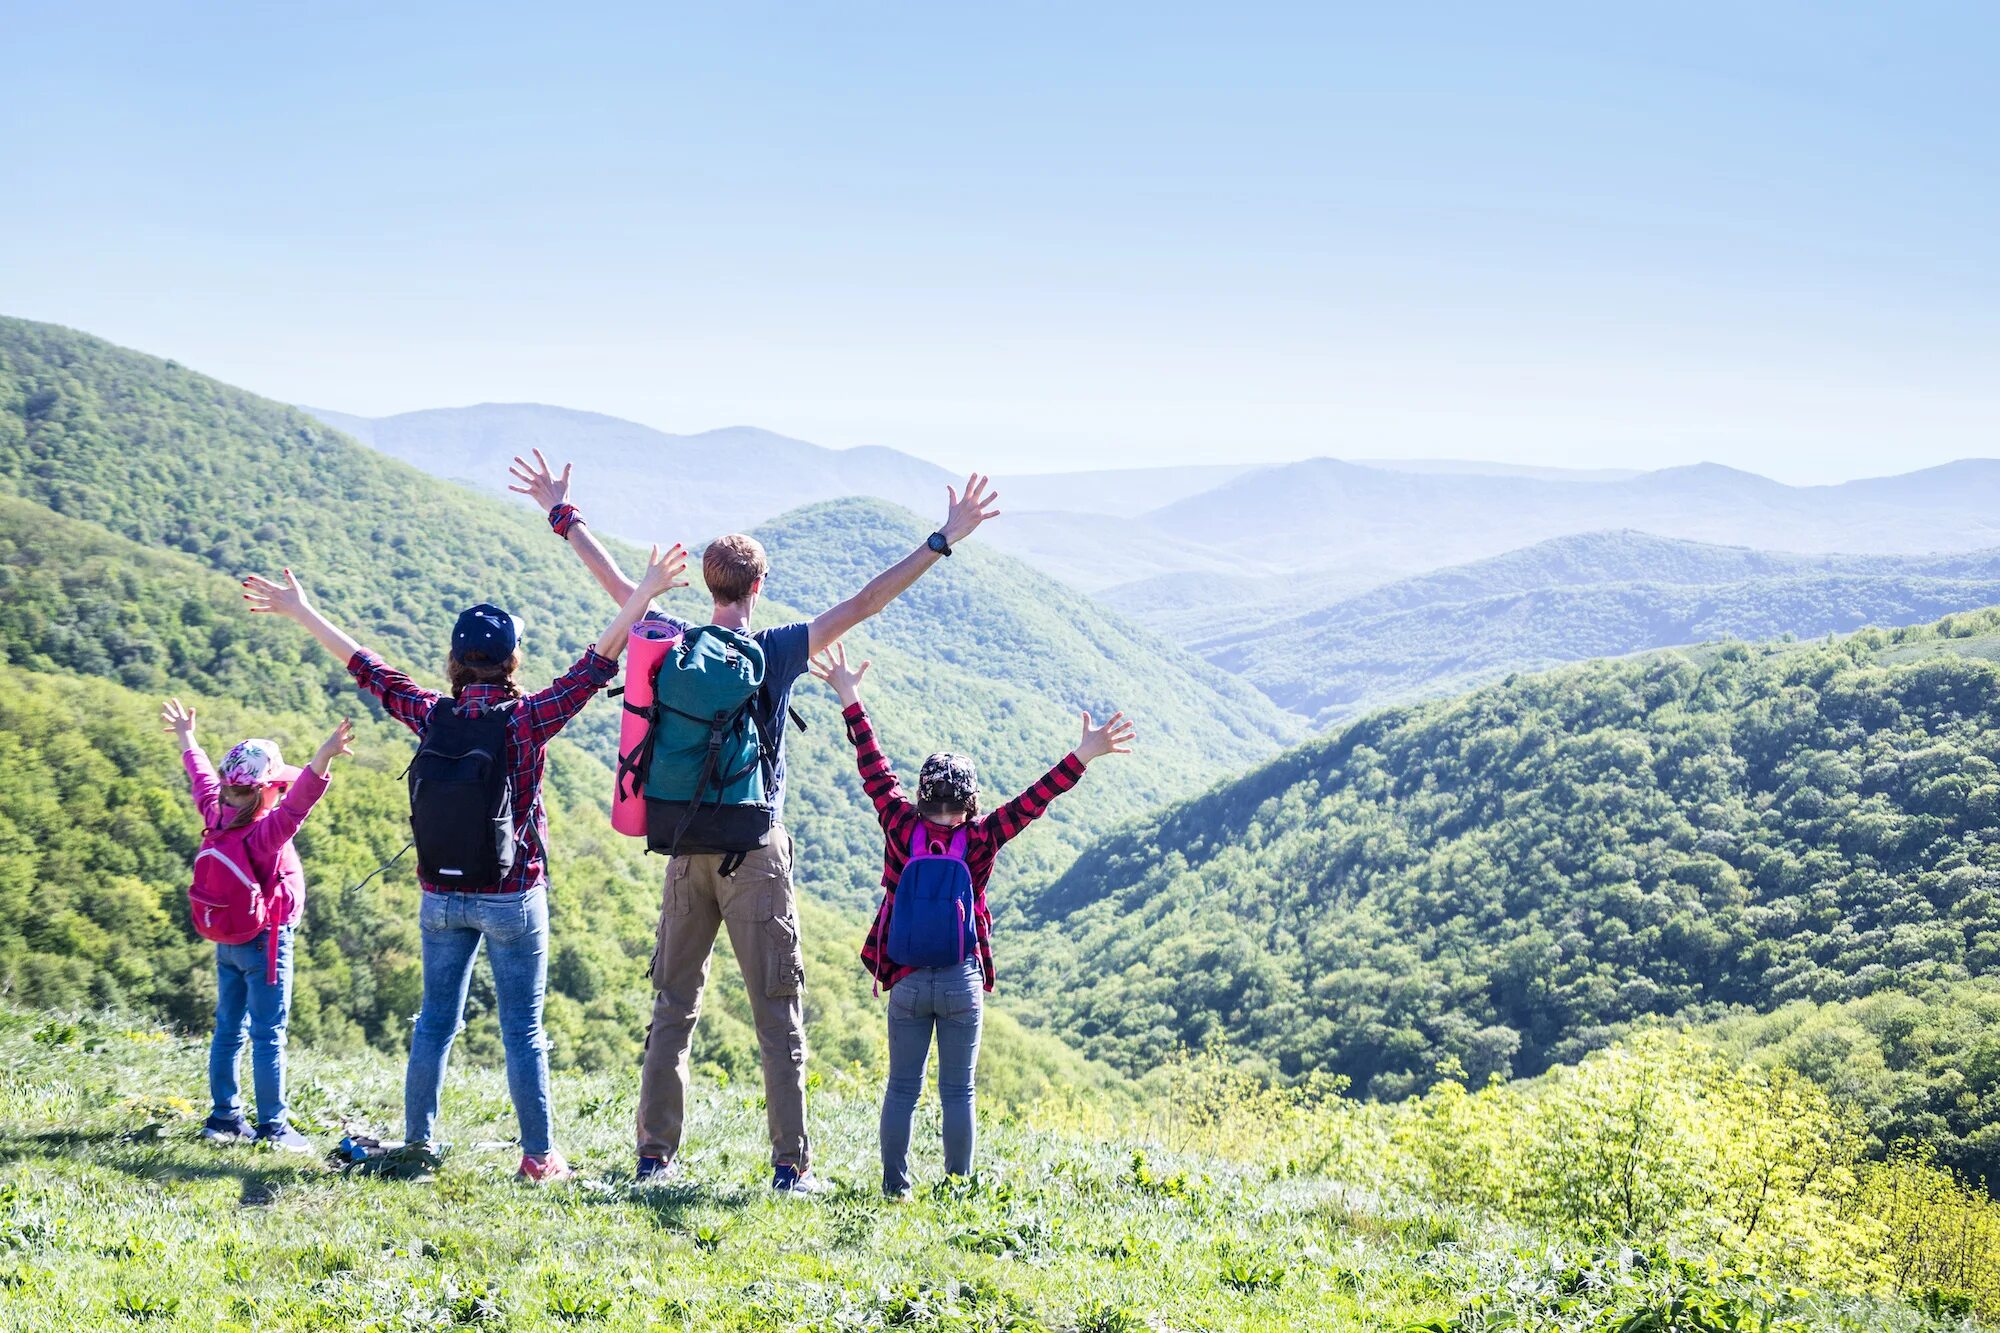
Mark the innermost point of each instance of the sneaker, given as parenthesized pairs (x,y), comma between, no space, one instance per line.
(788,1179)
(227,1129)
(897,1196)
(543,1170)
(655,1171)
(280,1135)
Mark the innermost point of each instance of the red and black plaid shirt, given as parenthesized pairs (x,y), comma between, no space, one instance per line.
(531,725)
(985,836)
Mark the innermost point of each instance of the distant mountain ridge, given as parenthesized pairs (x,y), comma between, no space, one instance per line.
(636,481)
(1603,594)
(1100,530)
(1323,512)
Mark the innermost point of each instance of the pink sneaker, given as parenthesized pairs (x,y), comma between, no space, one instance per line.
(543,1170)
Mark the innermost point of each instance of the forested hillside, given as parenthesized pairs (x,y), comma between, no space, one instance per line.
(176,461)
(1917,1062)
(1498,879)
(96,834)
(1595,595)
(195,482)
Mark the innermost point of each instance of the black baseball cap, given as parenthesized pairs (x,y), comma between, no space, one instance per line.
(484,633)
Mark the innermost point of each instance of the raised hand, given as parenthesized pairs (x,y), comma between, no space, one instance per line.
(537,480)
(970,508)
(179,720)
(663,572)
(287,599)
(1114,737)
(340,742)
(831,667)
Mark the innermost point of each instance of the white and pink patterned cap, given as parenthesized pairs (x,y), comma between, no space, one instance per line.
(253,763)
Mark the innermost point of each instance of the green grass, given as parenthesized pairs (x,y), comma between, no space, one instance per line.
(114,1215)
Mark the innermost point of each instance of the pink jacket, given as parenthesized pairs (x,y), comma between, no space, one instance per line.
(269,842)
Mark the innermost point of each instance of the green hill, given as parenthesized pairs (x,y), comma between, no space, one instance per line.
(1919,1063)
(195,483)
(1500,878)
(96,835)
(1601,594)
(987,657)
(177,462)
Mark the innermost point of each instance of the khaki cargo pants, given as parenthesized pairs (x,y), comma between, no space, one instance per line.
(756,904)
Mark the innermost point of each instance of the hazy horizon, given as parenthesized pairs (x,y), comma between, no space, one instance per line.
(1413,463)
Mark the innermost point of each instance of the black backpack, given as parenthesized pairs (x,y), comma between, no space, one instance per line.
(461,815)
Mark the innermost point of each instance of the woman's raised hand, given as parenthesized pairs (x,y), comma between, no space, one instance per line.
(1114,737)
(664,571)
(286,599)
(831,667)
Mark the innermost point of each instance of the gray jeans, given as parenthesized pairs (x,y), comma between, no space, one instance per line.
(949,1001)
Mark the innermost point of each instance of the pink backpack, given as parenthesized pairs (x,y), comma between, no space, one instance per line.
(232,899)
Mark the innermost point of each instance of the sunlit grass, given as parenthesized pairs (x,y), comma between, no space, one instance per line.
(112,1214)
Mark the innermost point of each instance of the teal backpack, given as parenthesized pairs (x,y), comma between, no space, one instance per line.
(705,761)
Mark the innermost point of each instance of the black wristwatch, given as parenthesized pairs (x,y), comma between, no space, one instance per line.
(937,543)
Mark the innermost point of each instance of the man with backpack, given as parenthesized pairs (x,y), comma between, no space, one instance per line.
(730,857)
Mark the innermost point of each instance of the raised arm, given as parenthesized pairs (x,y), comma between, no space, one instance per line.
(1114,737)
(663,574)
(549,710)
(276,829)
(968,510)
(288,599)
(878,777)
(539,482)
(203,785)
(402,698)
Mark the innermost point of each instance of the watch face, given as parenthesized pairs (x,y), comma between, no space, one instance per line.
(937,542)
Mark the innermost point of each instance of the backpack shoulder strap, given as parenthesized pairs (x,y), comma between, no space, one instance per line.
(919,842)
(215,852)
(959,840)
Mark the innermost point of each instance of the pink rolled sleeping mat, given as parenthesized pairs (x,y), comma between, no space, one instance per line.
(651,641)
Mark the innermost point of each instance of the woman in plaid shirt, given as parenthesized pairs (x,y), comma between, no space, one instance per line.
(511,918)
(946,1000)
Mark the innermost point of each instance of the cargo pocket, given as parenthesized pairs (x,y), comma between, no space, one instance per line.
(678,900)
(784,959)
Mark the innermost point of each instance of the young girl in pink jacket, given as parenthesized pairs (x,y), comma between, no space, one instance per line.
(253,980)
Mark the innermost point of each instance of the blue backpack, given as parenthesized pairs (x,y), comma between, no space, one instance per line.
(930,921)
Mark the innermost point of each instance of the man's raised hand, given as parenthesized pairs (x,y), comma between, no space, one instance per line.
(286,599)
(831,667)
(970,508)
(179,720)
(1114,737)
(537,480)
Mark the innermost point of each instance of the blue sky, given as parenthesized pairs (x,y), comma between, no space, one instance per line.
(1048,236)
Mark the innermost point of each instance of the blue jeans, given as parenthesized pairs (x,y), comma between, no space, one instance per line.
(515,928)
(951,1002)
(243,999)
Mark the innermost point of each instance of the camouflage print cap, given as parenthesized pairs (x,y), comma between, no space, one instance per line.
(947,780)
